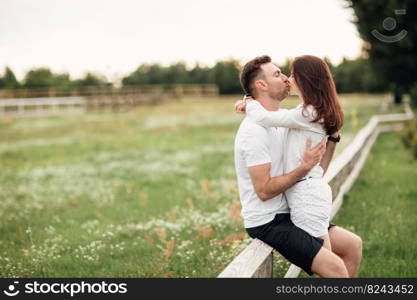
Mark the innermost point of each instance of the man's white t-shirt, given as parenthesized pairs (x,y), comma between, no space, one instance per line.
(256,145)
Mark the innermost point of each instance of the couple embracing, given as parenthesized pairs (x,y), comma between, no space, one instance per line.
(281,156)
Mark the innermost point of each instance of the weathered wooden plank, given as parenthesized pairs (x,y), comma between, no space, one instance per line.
(395,117)
(42,101)
(191,89)
(266,268)
(254,261)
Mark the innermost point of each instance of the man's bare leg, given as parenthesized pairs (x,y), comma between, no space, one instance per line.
(348,246)
(329,265)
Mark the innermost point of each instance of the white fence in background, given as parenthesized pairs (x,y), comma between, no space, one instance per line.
(43,102)
(41,106)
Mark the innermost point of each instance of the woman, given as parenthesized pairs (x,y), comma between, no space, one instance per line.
(319,116)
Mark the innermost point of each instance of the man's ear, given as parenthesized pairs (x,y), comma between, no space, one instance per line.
(260,84)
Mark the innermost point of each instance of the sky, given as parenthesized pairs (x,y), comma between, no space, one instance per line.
(113,37)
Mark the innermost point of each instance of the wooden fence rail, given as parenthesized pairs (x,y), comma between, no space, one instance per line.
(40,106)
(257,258)
(95,98)
(173,89)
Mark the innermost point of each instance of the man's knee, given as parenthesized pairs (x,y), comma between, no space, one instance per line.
(346,244)
(358,244)
(355,248)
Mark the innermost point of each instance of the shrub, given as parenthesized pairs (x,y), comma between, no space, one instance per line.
(409,136)
(413,96)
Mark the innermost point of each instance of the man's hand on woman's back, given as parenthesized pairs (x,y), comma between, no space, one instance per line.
(312,156)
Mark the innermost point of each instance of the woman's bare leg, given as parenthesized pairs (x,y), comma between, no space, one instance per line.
(326,244)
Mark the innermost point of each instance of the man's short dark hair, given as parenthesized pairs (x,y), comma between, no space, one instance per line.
(250,72)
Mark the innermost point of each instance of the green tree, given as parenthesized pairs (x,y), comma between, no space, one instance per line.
(176,74)
(9,81)
(90,79)
(348,76)
(139,76)
(39,78)
(156,74)
(45,78)
(395,62)
(201,75)
(150,74)
(226,76)
(62,81)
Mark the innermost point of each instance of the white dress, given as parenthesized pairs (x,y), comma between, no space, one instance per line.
(309,200)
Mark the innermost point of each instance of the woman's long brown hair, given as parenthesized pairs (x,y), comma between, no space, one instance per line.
(315,82)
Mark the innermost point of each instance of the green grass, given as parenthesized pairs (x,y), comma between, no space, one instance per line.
(147,193)
(381,208)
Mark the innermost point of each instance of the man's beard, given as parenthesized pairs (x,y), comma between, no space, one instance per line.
(281,95)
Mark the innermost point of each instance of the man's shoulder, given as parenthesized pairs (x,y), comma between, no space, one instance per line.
(251,136)
(250,128)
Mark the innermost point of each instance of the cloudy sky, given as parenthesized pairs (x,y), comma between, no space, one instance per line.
(114,36)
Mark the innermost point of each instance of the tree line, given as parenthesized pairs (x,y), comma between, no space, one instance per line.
(350,76)
(39,78)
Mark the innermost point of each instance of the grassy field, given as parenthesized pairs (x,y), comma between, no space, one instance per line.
(147,193)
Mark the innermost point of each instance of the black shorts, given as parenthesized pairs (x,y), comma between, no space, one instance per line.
(295,244)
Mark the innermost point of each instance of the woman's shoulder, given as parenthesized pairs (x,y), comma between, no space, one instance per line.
(309,113)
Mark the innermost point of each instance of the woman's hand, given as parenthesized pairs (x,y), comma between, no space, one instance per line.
(240,105)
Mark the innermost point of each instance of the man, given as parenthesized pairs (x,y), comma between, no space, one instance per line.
(259,169)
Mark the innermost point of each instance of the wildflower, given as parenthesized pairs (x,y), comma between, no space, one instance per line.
(169,249)
(161,233)
(190,203)
(203,232)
